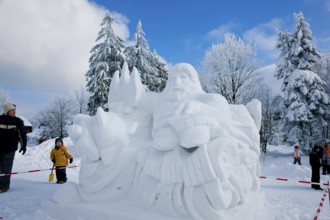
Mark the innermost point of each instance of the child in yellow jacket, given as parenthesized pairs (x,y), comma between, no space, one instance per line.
(60,156)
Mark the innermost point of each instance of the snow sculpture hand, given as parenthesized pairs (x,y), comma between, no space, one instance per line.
(194,129)
(165,138)
(195,136)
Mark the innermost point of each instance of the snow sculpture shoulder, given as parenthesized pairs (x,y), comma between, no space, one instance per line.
(181,152)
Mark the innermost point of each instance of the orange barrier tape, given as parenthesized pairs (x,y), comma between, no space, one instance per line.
(33,171)
(318,211)
(299,181)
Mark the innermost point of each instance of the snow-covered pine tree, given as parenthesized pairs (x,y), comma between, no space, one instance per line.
(303,93)
(278,110)
(152,70)
(157,80)
(283,65)
(106,59)
(303,51)
(322,68)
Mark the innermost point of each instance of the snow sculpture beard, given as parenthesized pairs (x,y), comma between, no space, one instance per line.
(182,83)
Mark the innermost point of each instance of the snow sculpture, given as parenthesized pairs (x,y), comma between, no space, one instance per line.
(182,152)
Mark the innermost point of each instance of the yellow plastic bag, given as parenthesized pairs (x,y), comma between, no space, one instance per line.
(51,175)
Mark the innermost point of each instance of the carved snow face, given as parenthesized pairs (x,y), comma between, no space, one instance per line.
(182,81)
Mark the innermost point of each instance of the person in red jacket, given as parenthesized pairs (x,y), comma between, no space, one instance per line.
(296,155)
(60,156)
(325,160)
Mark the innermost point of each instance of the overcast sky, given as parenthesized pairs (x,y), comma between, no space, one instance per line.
(45,44)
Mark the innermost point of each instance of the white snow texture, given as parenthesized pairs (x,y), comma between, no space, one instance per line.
(179,153)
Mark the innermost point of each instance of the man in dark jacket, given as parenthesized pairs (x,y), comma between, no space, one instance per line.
(12,131)
(315,162)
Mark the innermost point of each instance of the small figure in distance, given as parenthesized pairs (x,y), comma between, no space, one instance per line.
(296,155)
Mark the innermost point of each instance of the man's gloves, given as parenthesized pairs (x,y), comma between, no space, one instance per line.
(23,150)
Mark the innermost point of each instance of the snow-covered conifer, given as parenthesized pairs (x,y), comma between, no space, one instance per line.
(106,59)
(322,68)
(303,90)
(152,70)
(283,65)
(303,51)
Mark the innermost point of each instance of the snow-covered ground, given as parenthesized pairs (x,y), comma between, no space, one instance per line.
(291,199)
(30,196)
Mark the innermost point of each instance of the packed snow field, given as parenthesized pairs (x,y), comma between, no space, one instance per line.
(31,195)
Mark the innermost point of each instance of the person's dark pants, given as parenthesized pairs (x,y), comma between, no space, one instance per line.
(61,174)
(295,160)
(316,177)
(6,166)
(324,167)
